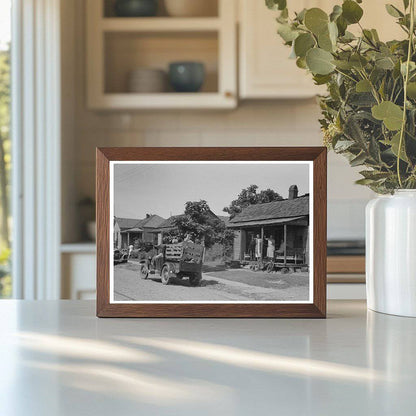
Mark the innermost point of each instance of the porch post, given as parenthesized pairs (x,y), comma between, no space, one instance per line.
(262,242)
(285,240)
(128,239)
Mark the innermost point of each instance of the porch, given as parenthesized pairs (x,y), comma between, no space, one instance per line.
(290,235)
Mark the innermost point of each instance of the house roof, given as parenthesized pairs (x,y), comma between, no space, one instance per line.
(287,220)
(225,219)
(286,208)
(125,223)
(153,221)
(133,230)
(170,222)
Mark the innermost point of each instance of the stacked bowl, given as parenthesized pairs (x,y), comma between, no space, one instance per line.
(147,80)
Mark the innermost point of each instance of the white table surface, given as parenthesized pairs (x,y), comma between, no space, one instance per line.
(56,358)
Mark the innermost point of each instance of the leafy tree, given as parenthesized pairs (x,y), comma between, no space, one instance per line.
(5,161)
(251,196)
(4,143)
(201,224)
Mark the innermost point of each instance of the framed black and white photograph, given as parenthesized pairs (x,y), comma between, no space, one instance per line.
(218,232)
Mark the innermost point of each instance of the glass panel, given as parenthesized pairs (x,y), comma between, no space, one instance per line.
(5,157)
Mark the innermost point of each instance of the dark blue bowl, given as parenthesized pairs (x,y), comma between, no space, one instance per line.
(136,8)
(186,76)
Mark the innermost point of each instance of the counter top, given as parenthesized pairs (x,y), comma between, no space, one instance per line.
(57,358)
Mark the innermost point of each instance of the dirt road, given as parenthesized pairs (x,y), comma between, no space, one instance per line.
(227,285)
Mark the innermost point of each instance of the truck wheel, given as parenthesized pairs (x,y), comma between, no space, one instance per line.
(164,275)
(143,271)
(195,279)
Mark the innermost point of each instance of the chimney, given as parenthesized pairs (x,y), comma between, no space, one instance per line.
(147,215)
(293,192)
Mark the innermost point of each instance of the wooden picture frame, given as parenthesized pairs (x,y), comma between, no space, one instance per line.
(314,308)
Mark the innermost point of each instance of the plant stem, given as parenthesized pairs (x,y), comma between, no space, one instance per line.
(406,80)
(345,75)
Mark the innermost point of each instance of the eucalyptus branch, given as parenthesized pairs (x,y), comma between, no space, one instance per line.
(406,80)
(346,75)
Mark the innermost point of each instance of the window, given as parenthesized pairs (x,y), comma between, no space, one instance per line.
(5,145)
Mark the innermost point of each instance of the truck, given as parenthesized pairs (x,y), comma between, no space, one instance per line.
(176,260)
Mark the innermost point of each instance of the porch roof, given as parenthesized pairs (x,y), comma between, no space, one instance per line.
(274,211)
(275,221)
(132,230)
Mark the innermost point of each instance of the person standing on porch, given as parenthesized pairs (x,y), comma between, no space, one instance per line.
(270,247)
(259,247)
(252,248)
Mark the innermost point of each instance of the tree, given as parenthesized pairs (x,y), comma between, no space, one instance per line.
(250,196)
(201,224)
(4,143)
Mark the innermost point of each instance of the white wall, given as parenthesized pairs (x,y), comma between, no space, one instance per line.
(266,123)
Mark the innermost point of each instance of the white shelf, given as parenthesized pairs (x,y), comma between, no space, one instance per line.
(159,24)
(163,101)
(115,46)
(81,247)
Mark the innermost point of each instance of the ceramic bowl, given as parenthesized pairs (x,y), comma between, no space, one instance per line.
(136,8)
(147,80)
(186,76)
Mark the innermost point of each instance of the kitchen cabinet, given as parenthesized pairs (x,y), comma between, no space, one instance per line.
(116,46)
(265,70)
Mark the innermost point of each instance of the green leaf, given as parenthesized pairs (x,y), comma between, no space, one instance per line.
(316,20)
(364,181)
(374,150)
(303,43)
(375,35)
(363,86)
(393,11)
(321,79)
(394,145)
(343,145)
(391,114)
(341,64)
(342,25)
(286,32)
(319,61)
(358,160)
(351,11)
(336,12)
(300,17)
(301,63)
(385,63)
(276,4)
(406,4)
(411,90)
(324,42)
(358,61)
(361,99)
(348,37)
(374,175)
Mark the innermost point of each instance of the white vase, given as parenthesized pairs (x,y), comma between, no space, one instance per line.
(391,253)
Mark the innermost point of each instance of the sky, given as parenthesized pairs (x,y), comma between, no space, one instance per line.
(163,189)
(5,21)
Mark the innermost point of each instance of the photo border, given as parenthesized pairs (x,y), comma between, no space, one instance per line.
(315,308)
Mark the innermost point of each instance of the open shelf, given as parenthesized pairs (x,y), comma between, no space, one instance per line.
(127,51)
(160,24)
(211,9)
(116,46)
